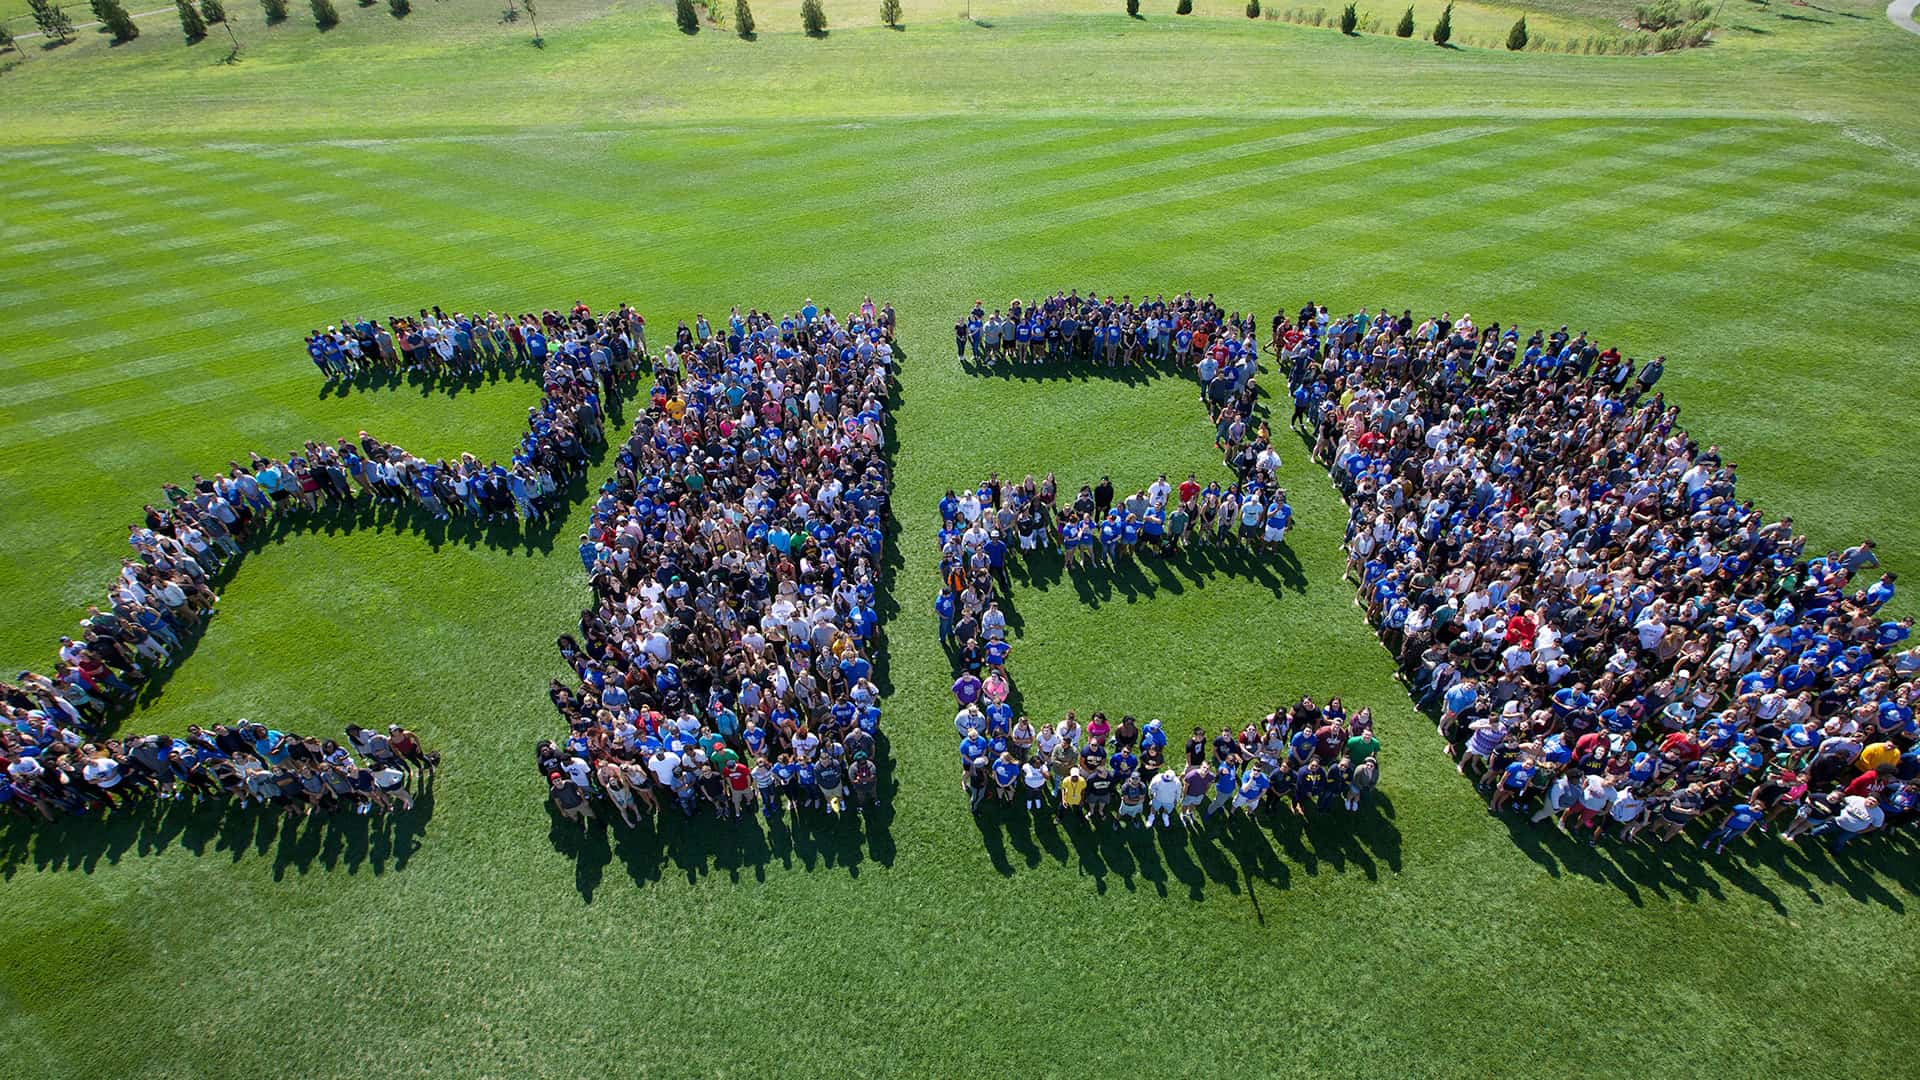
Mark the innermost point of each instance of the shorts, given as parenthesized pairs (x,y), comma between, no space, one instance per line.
(1098,802)
(1241,802)
(1131,809)
(1191,800)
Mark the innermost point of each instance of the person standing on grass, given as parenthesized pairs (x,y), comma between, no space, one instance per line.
(570,801)
(1033,774)
(1514,781)
(1165,791)
(1006,776)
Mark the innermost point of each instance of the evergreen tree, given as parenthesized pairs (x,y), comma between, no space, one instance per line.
(275,10)
(324,16)
(890,12)
(191,24)
(742,18)
(1133,8)
(685,17)
(113,15)
(1349,19)
(1517,37)
(6,38)
(52,19)
(1405,29)
(1253,9)
(1185,7)
(813,18)
(213,11)
(1443,30)
(400,8)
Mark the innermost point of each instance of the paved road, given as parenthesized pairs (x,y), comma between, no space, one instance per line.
(1901,12)
(159,11)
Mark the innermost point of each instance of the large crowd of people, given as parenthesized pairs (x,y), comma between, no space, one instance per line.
(56,724)
(1306,756)
(725,664)
(52,771)
(1610,637)
(433,342)
(1067,327)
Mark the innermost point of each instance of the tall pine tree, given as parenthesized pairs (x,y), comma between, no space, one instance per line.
(52,19)
(113,15)
(191,24)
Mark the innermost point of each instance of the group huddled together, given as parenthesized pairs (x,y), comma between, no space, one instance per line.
(1606,630)
(583,361)
(735,559)
(162,598)
(53,770)
(1310,758)
(436,343)
(1069,328)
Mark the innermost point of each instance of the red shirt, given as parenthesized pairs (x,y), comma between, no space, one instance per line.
(1681,745)
(1867,784)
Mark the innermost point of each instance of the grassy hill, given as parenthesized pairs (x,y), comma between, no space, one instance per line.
(172,226)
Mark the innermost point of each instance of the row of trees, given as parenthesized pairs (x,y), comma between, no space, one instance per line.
(54,22)
(813,16)
(1517,37)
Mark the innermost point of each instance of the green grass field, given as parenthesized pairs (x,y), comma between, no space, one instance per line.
(172,226)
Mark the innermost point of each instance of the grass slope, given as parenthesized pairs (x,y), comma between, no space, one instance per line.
(167,241)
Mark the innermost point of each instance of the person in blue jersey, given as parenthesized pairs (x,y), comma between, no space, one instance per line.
(1515,779)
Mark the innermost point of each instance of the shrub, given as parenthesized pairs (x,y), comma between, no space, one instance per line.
(1349,19)
(52,19)
(6,38)
(324,16)
(191,24)
(1317,17)
(213,11)
(1443,30)
(1185,8)
(1666,14)
(1405,29)
(1133,8)
(275,11)
(742,18)
(1517,37)
(890,12)
(400,8)
(1253,9)
(687,19)
(813,18)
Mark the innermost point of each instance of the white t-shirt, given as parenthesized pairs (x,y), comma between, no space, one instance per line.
(663,767)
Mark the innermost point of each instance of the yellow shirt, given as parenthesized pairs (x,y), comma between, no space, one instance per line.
(1879,755)
(1072,790)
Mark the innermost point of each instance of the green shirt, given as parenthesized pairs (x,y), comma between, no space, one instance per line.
(1360,748)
